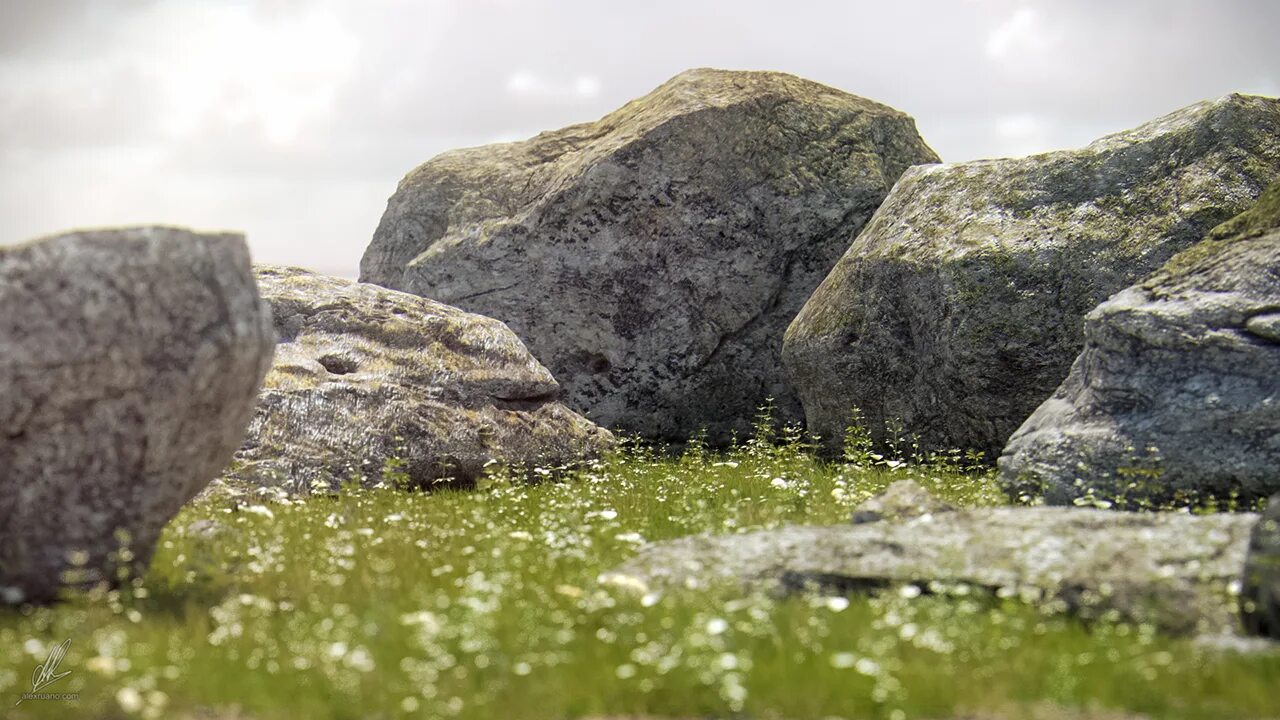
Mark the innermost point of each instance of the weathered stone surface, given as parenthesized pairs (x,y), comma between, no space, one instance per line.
(900,501)
(1177,391)
(1171,569)
(1260,598)
(378,385)
(652,259)
(129,365)
(958,309)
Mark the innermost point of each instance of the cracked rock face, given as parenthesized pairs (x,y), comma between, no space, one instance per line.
(1174,570)
(377,385)
(958,309)
(129,366)
(652,259)
(1177,390)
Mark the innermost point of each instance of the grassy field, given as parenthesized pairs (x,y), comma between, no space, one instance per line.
(386,603)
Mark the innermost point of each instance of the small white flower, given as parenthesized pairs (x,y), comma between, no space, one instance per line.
(623,581)
(572,591)
(130,699)
(424,618)
(359,659)
(717,626)
(867,666)
(262,510)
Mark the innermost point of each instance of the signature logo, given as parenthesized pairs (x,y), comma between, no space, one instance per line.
(46,674)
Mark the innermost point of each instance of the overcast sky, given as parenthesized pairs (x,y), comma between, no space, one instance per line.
(293,120)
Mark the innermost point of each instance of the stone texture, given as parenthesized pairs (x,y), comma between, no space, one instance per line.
(129,365)
(1176,394)
(902,500)
(958,309)
(652,259)
(1171,569)
(376,385)
(1260,598)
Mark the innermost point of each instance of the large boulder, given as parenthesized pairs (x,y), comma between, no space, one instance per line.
(958,309)
(1175,570)
(129,366)
(652,259)
(1176,395)
(1260,594)
(377,386)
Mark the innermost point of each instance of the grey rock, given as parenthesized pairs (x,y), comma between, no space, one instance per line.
(208,530)
(958,309)
(900,501)
(1260,598)
(1176,395)
(1229,644)
(374,385)
(129,365)
(652,259)
(1174,570)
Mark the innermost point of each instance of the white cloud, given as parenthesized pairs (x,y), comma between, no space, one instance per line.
(223,64)
(1023,33)
(524,83)
(1022,134)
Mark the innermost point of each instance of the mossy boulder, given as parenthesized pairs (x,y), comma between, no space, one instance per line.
(1173,570)
(1177,391)
(373,386)
(959,308)
(653,258)
(129,365)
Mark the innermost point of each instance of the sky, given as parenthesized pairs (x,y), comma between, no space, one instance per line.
(293,120)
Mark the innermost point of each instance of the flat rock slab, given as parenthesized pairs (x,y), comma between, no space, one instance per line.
(1176,570)
(129,366)
(652,259)
(372,385)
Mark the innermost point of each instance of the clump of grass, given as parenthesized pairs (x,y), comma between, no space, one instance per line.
(384,602)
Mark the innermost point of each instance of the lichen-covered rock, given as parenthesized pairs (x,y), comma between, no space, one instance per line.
(958,309)
(652,259)
(1260,595)
(373,385)
(1174,570)
(129,365)
(1176,394)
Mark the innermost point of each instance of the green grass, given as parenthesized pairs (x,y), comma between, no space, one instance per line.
(484,604)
